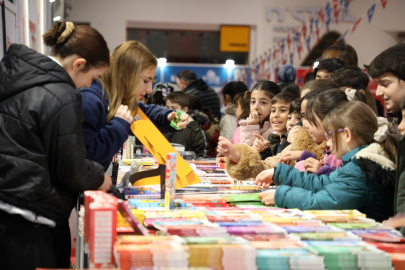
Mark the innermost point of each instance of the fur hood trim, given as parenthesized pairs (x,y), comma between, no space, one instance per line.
(375,153)
(202,118)
(210,132)
(230,109)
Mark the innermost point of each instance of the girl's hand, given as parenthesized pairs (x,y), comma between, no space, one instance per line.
(253,118)
(184,120)
(260,143)
(106,184)
(312,165)
(292,133)
(395,222)
(124,113)
(226,148)
(268,197)
(220,159)
(265,178)
(291,155)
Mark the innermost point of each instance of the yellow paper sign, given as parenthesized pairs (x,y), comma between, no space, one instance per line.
(234,38)
(159,147)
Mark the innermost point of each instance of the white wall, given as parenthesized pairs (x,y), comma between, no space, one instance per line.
(111,18)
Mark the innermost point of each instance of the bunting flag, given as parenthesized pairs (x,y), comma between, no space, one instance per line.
(282,46)
(285,60)
(384,3)
(291,58)
(289,42)
(336,10)
(342,37)
(311,24)
(328,12)
(269,56)
(304,30)
(346,8)
(370,13)
(321,15)
(355,24)
(308,42)
(317,31)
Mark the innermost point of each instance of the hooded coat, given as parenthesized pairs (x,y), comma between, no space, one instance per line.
(229,122)
(365,182)
(42,155)
(209,98)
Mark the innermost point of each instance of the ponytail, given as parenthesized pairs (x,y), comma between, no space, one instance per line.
(65,39)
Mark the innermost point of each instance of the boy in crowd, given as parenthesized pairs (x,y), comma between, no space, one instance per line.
(192,137)
(326,67)
(388,71)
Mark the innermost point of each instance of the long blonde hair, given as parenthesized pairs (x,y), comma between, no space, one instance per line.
(122,77)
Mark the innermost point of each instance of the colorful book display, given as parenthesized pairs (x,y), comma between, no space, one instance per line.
(170,192)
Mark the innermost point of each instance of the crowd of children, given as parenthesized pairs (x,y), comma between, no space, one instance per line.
(325,146)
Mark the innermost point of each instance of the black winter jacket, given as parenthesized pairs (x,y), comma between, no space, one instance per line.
(206,94)
(42,154)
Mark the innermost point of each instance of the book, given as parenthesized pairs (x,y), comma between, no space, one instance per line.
(170,194)
(136,203)
(139,192)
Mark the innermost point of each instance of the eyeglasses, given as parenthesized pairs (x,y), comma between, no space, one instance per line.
(329,137)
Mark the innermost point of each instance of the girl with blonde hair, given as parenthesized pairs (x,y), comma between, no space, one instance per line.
(111,101)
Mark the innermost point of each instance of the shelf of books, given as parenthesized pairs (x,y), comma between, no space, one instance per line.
(222,224)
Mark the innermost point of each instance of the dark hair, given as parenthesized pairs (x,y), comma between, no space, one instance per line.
(342,51)
(295,106)
(270,88)
(309,77)
(233,88)
(320,84)
(211,117)
(290,87)
(194,103)
(187,75)
(243,99)
(391,60)
(283,97)
(321,102)
(351,77)
(330,64)
(84,41)
(403,104)
(179,97)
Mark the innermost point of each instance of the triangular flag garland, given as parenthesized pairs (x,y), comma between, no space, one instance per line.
(283,50)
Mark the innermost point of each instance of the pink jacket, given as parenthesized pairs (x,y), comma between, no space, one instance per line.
(236,136)
(246,132)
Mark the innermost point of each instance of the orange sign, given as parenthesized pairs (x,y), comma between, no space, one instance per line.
(234,38)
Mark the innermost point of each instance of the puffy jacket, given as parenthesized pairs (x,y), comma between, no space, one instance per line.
(365,181)
(209,98)
(246,131)
(229,122)
(103,140)
(42,154)
(192,138)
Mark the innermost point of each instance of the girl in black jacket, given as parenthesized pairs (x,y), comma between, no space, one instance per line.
(42,154)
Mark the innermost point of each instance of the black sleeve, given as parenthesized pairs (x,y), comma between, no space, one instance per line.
(67,162)
(283,145)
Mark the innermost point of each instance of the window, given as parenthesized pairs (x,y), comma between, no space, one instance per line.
(185,46)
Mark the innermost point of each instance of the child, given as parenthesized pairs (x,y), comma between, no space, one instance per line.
(326,67)
(260,108)
(294,115)
(388,71)
(280,105)
(109,103)
(160,92)
(242,162)
(354,78)
(210,125)
(229,123)
(242,101)
(399,206)
(366,179)
(192,137)
(42,155)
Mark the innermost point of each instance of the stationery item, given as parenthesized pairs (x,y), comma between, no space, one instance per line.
(175,123)
(170,192)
